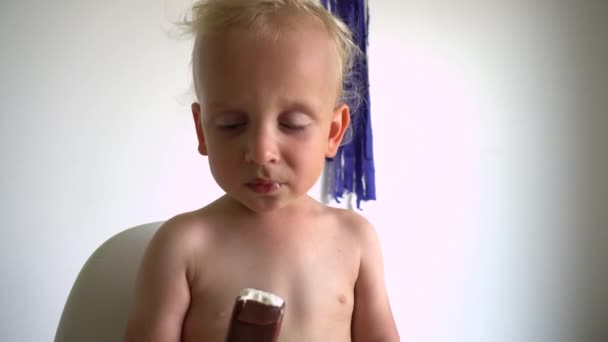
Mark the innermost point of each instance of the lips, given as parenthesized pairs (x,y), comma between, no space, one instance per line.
(263,186)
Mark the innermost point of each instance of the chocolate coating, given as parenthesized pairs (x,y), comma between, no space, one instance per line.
(255,320)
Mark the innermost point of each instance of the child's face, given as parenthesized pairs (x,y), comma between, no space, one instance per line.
(268,112)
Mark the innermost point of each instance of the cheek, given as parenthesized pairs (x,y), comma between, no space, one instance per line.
(221,147)
(306,146)
(309,153)
(222,158)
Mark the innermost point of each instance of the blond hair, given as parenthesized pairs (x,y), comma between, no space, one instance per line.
(212,16)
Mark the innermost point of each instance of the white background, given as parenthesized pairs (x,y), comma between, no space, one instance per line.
(488,121)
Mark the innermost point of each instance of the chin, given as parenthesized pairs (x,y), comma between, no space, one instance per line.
(264,205)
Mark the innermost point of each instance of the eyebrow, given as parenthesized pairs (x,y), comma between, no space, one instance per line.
(299,106)
(220,107)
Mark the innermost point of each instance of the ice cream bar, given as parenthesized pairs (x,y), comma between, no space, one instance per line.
(256,317)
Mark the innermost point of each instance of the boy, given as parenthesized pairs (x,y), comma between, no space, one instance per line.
(268,76)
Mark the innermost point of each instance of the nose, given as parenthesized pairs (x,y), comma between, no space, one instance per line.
(262,147)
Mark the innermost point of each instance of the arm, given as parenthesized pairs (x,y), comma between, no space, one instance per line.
(162,294)
(372,316)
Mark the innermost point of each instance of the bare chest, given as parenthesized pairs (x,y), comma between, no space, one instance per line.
(316,278)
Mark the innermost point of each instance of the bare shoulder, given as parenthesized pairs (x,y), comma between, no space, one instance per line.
(180,234)
(176,241)
(355,224)
(364,235)
(372,315)
(162,291)
(361,232)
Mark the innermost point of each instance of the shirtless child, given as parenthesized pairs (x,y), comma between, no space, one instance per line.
(268,76)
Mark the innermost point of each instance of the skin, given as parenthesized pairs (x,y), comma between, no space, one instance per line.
(267,113)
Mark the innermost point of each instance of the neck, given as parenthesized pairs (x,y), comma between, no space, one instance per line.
(300,208)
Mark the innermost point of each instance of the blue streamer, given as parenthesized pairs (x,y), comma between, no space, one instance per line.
(352,169)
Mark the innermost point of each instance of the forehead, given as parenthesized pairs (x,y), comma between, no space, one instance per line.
(301,61)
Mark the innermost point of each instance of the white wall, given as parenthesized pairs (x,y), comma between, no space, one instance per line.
(481,116)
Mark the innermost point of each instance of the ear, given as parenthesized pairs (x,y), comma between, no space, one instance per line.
(337,128)
(196,115)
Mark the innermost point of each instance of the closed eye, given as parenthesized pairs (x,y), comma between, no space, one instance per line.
(231,126)
(294,121)
(229,120)
(293,127)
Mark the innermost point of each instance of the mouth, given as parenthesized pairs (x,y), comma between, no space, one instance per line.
(263,186)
